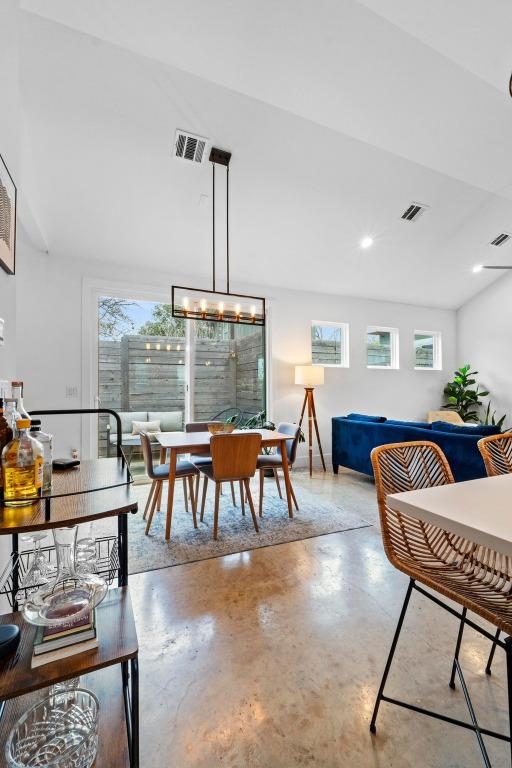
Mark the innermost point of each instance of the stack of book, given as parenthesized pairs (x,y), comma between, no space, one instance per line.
(65,639)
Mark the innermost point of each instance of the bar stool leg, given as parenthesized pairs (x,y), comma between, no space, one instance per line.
(457,649)
(390,656)
(508,650)
(491,654)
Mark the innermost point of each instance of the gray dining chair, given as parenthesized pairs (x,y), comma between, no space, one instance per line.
(274,461)
(185,471)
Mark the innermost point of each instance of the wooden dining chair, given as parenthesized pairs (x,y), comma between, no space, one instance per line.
(204,457)
(475,577)
(274,461)
(185,470)
(234,459)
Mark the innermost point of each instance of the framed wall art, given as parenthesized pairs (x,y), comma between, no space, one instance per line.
(7,220)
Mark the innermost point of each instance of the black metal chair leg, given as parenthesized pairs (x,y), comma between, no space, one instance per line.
(508,651)
(491,654)
(391,654)
(457,649)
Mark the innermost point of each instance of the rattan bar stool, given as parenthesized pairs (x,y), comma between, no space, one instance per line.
(496,452)
(475,577)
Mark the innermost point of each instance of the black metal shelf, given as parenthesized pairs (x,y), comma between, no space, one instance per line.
(107,566)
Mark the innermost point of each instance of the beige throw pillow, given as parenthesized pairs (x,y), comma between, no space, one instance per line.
(145,426)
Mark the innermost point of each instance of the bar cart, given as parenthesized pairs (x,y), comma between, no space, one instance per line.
(96,489)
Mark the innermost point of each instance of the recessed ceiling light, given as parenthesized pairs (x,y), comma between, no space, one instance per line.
(477,268)
(366,242)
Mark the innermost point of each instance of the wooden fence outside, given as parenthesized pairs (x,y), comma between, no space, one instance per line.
(148,373)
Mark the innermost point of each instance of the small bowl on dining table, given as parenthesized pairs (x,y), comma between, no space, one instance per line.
(216,428)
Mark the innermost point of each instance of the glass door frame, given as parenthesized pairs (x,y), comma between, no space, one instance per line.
(92,291)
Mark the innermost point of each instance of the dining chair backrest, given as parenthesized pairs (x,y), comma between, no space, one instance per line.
(147,455)
(496,452)
(199,426)
(407,467)
(234,457)
(285,428)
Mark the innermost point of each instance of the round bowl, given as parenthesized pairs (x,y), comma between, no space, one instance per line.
(217,428)
(61,731)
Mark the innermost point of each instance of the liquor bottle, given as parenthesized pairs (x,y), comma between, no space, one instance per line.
(5,438)
(47,443)
(11,414)
(22,465)
(17,394)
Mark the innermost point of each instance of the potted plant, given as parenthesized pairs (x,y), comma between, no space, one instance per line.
(463,394)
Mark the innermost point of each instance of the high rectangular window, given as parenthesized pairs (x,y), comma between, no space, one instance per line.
(427,350)
(381,347)
(329,344)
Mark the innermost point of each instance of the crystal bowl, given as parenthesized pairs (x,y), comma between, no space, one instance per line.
(65,601)
(60,731)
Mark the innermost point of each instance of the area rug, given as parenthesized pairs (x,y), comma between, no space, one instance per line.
(317,516)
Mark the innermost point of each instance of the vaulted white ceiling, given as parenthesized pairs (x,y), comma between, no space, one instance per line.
(338,114)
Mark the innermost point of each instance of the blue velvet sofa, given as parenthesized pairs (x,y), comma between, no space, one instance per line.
(354,436)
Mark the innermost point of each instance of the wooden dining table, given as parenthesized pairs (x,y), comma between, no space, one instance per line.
(176,443)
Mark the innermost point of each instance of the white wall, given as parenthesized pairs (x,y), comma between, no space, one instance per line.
(51,359)
(10,151)
(483,339)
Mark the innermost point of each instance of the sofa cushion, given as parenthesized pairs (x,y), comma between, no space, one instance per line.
(126,420)
(170,421)
(470,429)
(145,426)
(363,417)
(417,424)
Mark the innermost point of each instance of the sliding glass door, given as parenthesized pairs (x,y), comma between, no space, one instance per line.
(153,367)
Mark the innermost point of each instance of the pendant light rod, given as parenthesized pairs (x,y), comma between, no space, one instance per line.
(213,223)
(220,157)
(227,228)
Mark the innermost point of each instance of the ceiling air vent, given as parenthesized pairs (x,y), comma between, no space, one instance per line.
(188,146)
(414,211)
(501,239)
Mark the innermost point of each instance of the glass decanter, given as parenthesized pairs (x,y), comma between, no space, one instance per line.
(69,595)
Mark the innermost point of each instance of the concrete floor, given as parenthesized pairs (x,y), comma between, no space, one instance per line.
(272,658)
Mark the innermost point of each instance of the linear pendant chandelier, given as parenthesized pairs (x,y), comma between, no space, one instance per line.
(213,305)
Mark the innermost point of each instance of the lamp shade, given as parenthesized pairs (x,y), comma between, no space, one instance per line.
(309,375)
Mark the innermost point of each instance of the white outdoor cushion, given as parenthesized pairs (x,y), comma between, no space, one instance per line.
(126,420)
(145,426)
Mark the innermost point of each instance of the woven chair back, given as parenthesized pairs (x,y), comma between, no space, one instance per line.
(496,452)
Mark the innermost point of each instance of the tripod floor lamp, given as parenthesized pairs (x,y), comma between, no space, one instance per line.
(310,376)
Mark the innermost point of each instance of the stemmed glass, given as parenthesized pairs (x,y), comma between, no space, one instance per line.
(40,570)
(85,556)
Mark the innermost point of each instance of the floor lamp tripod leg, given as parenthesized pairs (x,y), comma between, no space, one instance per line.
(317,432)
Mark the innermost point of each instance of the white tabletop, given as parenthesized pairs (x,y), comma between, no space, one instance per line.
(479,510)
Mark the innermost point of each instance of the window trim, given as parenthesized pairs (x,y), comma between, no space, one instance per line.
(345,362)
(437,356)
(395,356)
